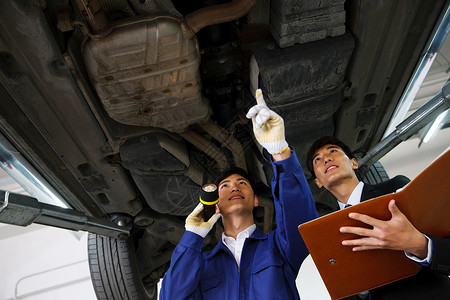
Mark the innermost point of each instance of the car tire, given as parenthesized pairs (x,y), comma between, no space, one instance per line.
(375,174)
(114,270)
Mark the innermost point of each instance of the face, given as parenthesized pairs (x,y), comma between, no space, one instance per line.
(332,166)
(236,195)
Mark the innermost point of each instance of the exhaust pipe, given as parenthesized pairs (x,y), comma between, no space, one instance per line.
(216,14)
(226,139)
(93,13)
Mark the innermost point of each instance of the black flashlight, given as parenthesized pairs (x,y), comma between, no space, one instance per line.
(209,196)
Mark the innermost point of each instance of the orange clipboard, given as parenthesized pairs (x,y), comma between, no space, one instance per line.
(426,203)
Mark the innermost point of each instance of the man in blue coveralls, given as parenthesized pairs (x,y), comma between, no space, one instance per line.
(246,263)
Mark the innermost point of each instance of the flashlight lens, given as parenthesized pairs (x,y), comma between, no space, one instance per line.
(210,187)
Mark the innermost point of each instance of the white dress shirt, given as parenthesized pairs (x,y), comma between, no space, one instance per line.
(355,197)
(236,245)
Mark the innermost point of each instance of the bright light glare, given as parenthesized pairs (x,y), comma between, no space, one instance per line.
(437,124)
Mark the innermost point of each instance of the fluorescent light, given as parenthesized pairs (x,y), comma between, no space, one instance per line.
(437,125)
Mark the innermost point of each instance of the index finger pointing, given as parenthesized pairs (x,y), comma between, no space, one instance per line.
(259,97)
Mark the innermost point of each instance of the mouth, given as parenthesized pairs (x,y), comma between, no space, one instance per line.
(236,197)
(331,168)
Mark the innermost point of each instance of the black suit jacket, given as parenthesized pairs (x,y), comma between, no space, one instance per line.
(431,282)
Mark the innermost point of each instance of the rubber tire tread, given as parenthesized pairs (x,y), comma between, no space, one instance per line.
(376,174)
(113,268)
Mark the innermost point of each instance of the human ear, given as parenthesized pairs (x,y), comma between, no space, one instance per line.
(318,183)
(354,163)
(255,201)
(218,206)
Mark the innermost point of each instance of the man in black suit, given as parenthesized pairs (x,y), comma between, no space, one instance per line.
(333,165)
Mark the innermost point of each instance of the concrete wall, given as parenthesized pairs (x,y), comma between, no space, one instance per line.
(409,160)
(43,263)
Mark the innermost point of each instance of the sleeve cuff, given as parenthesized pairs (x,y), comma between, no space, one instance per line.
(191,240)
(287,166)
(427,260)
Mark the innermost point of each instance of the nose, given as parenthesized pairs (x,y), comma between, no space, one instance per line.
(234,188)
(326,159)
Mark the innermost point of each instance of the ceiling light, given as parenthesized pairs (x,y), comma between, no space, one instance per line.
(431,130)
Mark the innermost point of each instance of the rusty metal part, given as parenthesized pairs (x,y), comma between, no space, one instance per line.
(144,78)
(218,14)
(194,172)
(64,20)
(207,147)
(93,13)
(227,140)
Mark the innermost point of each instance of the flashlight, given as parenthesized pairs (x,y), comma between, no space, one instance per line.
(209,196)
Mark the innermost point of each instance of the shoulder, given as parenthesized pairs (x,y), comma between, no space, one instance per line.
(401,180)
(393,184)
(385,187)
(397,182)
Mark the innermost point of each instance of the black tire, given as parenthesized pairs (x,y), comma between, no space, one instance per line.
(376,174)
(114,270)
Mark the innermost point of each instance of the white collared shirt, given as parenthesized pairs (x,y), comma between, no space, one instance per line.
(355,197)
(236,245)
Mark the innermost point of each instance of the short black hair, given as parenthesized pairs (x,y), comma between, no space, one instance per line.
(235,170)
(326,140)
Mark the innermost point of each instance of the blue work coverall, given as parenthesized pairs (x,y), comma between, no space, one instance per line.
(269,263)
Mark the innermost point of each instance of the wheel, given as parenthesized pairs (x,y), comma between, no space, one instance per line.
(375,174)
(114,270)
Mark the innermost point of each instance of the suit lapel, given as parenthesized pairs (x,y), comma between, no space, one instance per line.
(369,191)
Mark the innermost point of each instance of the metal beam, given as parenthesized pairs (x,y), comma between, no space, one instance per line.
(23,210)
(411,125)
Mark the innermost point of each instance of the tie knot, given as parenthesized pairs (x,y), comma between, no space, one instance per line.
(347,205)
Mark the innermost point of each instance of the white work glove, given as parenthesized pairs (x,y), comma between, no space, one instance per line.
(268,126)
(196,224)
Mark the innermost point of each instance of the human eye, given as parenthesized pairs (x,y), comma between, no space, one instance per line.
(317,159)
(242,182)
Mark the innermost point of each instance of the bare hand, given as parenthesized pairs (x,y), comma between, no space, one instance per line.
(395,234)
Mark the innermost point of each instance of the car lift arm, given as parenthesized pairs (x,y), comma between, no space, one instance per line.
(23,210)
